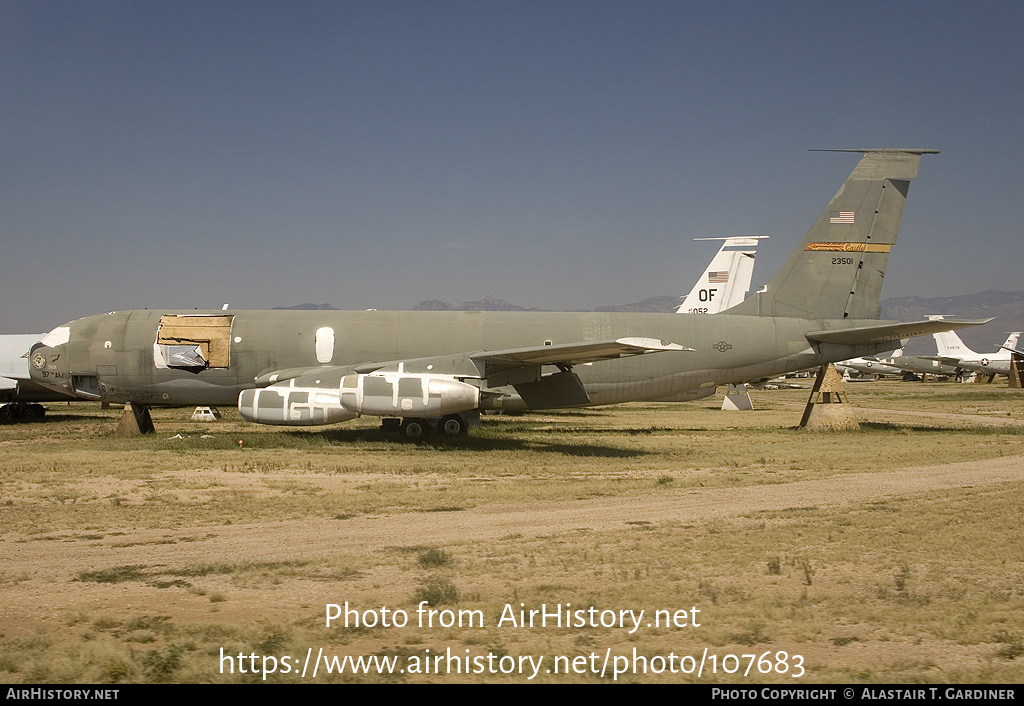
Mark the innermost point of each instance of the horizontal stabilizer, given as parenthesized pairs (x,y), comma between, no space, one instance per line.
(865,335)
(886,162)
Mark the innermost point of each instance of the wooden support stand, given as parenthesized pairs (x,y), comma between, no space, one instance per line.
(826,409)
(1016,370)
(135,420)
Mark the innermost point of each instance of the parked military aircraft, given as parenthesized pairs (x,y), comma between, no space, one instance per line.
(322,367)
(871,365)
(723,284)
(955,353)
(18,393)
(916,364)
(726,281)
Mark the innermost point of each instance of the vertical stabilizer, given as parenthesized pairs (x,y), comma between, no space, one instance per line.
(949,344)
(837,272)
(726,280)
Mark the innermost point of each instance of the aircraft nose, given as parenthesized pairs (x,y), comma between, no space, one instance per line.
(45,368)
(39,357)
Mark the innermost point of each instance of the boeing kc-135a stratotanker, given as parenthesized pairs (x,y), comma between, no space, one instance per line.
(440,368)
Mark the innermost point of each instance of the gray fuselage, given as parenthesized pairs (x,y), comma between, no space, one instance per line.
(115,357)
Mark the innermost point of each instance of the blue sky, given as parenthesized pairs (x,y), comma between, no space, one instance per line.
(561,155)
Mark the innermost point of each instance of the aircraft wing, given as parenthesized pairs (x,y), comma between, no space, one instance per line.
(945,360)
(575,353)
(14,355)
(487,364)
(864,335)
(520,368)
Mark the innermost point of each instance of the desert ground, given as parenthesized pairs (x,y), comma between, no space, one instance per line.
(215,551)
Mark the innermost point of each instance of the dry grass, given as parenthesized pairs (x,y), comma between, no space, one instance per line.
(905,587)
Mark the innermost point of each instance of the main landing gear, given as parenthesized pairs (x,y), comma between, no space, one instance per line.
(417,428)
(21,411)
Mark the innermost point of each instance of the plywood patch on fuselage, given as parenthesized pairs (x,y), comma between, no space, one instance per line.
(211,333)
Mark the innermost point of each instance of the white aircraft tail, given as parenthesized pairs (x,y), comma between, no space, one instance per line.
(949,344)
(1011,341)
(726,281)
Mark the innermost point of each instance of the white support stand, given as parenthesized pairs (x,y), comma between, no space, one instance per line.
(737,398)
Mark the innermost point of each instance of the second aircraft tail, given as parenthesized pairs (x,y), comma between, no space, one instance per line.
(726,280)
(948,343)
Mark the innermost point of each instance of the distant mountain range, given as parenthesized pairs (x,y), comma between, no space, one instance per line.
(1006,307)
(488,303)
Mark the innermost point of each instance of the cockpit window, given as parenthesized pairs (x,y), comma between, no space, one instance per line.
(61,334)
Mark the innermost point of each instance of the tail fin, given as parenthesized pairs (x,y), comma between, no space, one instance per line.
(1011,340)
(837,271)
(726,281)
(948,343)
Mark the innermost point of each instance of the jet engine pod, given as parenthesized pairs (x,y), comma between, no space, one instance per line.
(407,395)
(289,405)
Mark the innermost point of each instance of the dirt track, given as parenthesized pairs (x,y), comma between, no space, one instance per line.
(59,560)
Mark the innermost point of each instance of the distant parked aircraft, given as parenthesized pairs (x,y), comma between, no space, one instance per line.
(19,395)
(954,352)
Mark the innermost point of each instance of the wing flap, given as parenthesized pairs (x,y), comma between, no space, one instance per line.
(519,366)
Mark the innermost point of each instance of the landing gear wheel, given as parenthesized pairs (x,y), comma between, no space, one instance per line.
(33,411)
(452,425)
(414,428)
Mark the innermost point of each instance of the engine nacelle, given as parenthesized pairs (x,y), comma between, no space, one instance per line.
(292,406)
(307,401)
(407,395)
